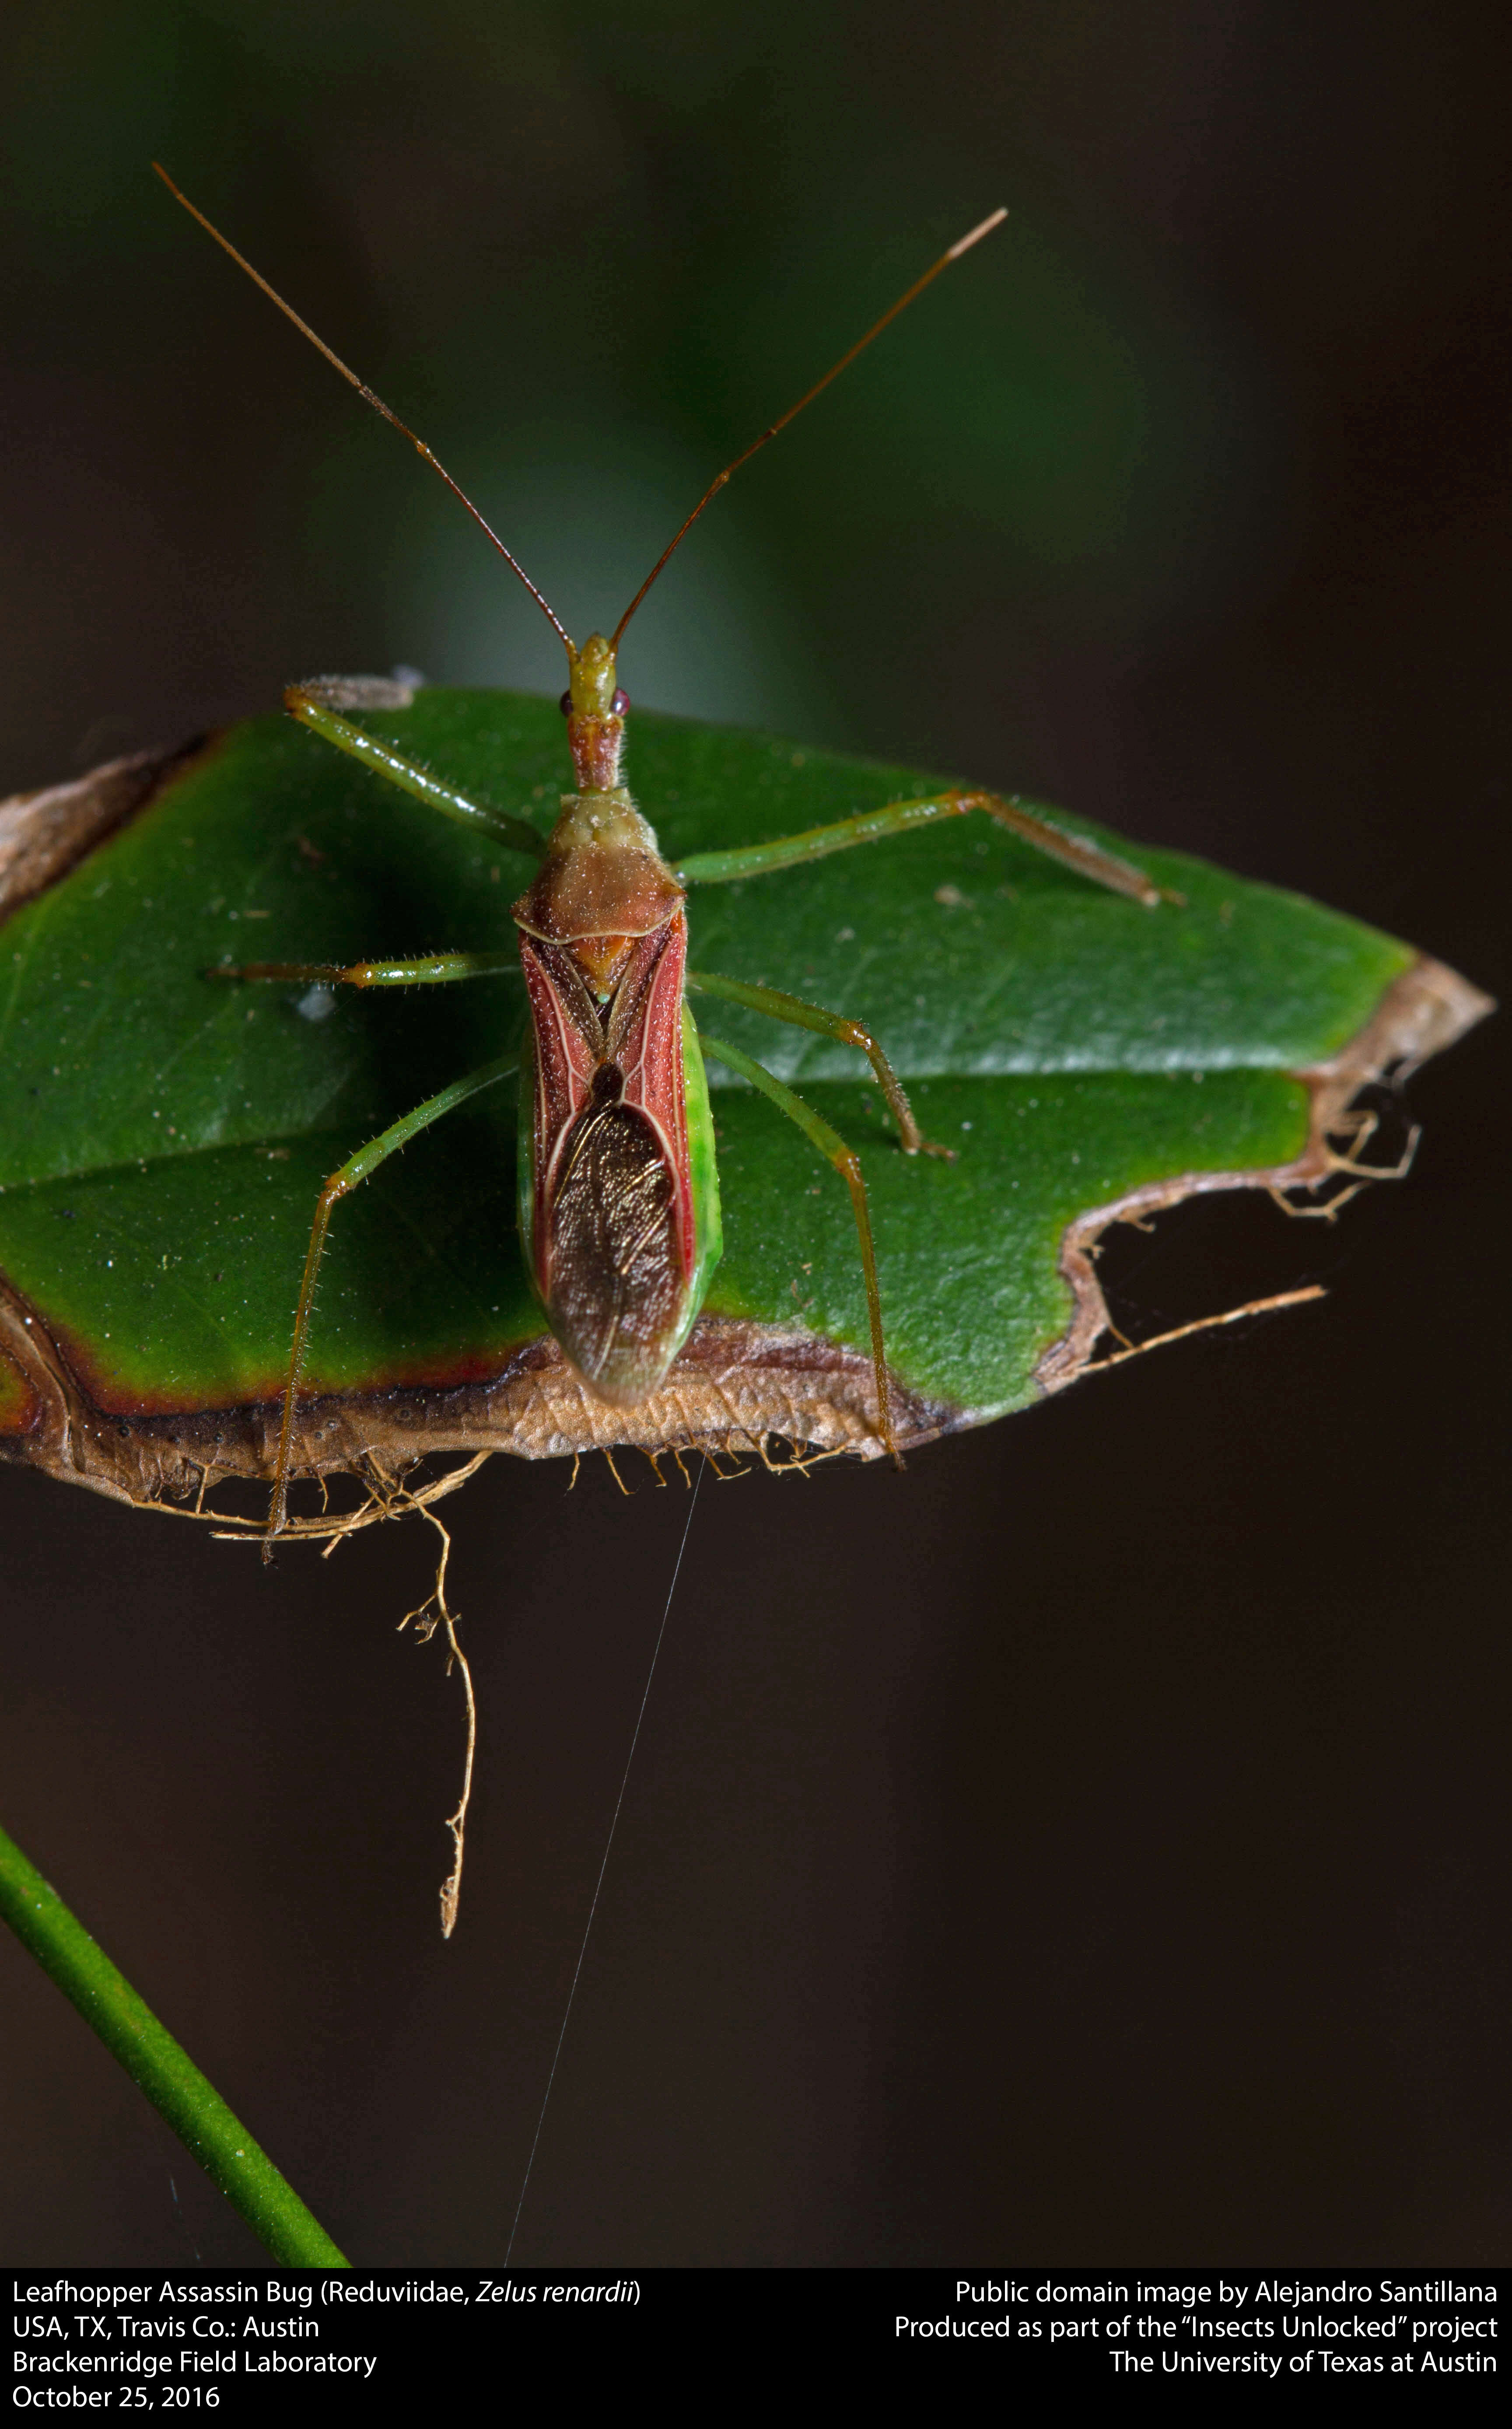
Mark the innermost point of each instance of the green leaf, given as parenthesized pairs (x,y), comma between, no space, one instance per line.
(163,1135)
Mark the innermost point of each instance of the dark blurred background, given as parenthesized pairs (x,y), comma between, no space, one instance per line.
(1091,1844)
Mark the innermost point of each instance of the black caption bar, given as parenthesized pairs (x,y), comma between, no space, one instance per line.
(346,2342)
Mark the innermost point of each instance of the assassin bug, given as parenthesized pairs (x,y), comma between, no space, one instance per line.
(619,1189)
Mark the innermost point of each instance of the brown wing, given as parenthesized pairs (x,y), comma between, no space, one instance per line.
(569,1041)
(613,1218)
(614,1285)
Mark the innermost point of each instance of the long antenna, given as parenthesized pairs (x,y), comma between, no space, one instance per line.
(376,401)
(963,244)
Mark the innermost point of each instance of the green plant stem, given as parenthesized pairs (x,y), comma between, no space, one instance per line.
(198,2115)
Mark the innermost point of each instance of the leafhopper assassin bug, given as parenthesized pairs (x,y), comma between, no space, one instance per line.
(618,1185)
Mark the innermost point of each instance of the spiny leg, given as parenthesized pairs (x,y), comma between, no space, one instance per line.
(346,1178)
(847,1164)
(316,704)
(431,969)
(1029,823)
(779,1006)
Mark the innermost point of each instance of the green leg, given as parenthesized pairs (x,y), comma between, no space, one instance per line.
(1031,825)
(847,1164)
(433,969)
(316,704)
(356,1168)
(779,1006)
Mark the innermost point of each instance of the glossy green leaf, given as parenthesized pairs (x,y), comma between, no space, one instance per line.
(162,1135)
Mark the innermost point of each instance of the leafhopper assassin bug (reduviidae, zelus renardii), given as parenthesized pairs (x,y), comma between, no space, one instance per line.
(618,1187)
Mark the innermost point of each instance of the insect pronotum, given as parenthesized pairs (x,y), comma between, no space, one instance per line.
(618,1186)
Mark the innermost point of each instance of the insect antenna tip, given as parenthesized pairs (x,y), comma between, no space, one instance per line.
(974,236)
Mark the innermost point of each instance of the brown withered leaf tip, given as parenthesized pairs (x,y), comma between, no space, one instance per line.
(736,1388)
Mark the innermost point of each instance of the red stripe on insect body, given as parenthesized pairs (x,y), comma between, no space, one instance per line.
(613,1203)
(645,1038)
(569,1046)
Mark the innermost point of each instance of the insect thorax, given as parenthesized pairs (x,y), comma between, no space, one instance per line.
(603,884)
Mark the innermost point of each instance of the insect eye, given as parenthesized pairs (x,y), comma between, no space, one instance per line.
(564,703)
(619,705)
